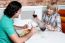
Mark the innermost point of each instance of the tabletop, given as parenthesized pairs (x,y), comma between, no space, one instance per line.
(47,37)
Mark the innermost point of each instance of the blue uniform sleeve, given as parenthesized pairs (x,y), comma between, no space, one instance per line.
(9,28)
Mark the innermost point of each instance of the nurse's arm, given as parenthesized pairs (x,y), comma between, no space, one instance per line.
(17,39)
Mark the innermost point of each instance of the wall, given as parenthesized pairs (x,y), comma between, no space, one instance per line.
(38,10)
(1,12)
(4,3)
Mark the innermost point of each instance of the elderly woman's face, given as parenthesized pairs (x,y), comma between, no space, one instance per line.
(50,11)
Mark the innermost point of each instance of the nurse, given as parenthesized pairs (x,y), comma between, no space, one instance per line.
(7,31)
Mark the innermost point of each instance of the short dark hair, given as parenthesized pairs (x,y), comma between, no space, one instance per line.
(12,8)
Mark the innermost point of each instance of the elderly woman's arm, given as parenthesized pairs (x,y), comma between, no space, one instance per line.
(58,22)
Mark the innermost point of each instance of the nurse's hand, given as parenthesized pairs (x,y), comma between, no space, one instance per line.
(33,30)
(27,31)
(25,26)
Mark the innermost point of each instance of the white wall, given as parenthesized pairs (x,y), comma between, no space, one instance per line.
(1,12)
(38,10)
(61,7)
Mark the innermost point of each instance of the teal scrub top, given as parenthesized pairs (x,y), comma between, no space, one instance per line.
(6,29)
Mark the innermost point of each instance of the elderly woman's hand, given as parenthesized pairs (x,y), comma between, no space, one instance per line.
(48,27)
(51,28)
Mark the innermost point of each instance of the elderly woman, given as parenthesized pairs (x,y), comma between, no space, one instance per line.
(50,20)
